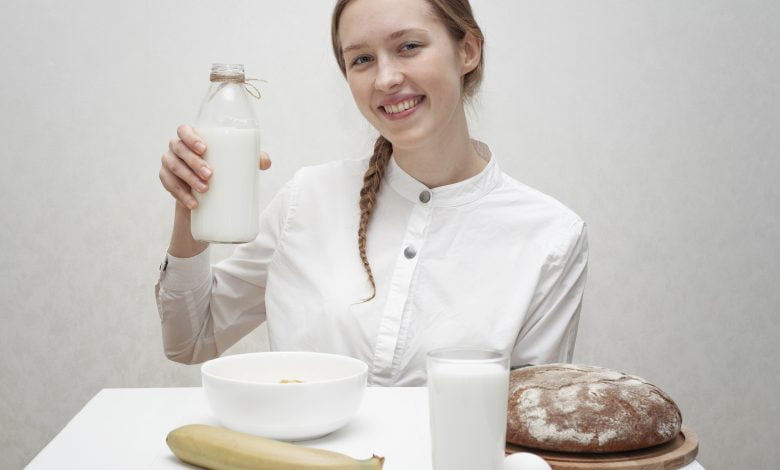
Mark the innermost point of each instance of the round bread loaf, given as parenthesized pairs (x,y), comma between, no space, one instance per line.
(579,408)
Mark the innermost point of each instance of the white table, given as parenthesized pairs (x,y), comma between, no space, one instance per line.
(125,428)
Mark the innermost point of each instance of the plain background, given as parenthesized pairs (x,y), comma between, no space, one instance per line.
(656,121)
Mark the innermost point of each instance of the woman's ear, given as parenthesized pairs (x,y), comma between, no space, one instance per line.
(470,52)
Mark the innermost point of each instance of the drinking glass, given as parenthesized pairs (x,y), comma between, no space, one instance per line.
(468,391)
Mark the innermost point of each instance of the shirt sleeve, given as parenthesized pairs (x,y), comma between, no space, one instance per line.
(206,309)
(550,330)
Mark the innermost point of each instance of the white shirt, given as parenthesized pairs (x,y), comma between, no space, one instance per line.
(487,262)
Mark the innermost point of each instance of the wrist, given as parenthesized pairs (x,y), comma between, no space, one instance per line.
(183,211)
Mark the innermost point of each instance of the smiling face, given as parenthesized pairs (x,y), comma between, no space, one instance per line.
(405,70)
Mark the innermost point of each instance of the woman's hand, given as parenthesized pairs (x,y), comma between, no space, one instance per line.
(184,170)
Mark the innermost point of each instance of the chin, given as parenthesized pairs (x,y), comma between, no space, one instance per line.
(408,140)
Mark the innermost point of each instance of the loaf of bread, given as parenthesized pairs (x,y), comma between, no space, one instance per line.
(579,408)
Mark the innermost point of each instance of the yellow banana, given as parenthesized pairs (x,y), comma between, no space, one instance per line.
(218,448)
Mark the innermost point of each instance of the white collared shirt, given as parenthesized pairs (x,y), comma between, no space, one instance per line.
(487,262)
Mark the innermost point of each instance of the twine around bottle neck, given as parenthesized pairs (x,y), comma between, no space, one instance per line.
(238,78)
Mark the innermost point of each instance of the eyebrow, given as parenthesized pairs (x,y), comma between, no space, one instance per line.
(394,35)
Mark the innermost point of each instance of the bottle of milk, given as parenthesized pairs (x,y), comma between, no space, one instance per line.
(228,212)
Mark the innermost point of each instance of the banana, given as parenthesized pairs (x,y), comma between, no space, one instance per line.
(218,448)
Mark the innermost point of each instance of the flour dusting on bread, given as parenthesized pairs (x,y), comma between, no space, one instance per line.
(579,408)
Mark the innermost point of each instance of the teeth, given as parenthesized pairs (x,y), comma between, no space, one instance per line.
(402,106)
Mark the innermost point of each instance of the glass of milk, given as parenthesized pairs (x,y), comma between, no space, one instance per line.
(228,212)
(468,392)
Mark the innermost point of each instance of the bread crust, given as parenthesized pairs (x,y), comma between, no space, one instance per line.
(581,408)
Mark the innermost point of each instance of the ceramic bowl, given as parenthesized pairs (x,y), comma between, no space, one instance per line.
(289,396)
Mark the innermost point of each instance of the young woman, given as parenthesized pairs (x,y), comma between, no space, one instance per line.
(425,244)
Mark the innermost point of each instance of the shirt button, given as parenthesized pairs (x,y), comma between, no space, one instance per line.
(425,196)
(410,252)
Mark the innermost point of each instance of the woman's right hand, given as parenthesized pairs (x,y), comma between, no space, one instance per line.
(184,169)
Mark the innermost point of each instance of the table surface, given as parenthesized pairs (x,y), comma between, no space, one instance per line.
(125,428)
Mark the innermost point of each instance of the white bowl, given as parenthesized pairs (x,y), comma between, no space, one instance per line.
(245,393)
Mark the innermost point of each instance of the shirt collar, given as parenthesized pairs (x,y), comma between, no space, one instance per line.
(456,194)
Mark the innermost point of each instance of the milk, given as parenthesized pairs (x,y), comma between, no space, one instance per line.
(228,212)
(468,406)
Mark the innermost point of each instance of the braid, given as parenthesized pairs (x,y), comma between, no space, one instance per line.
(371,182)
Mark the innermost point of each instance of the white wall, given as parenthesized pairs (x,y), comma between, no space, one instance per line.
(656,121)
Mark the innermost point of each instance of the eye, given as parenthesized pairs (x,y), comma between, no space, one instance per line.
(409,46)
(360,60)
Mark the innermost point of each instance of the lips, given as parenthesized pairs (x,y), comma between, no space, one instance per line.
(401,106)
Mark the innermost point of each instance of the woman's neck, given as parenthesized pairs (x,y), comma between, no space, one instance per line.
(445,159)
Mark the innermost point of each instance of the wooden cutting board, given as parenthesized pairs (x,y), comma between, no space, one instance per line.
(675,454)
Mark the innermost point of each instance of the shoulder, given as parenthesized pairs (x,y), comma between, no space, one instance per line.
(332,182)
(340,170)
(548,221)
(537,203)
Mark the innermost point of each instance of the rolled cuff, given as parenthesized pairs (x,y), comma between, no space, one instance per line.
(185,274)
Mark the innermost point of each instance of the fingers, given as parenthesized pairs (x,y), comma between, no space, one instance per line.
(191,139)
(197,165)
(176,165)
(179,180)
(184,170)
(265,161)
(178,189)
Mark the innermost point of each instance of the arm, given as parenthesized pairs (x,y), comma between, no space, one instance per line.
(550,330)
(203,309)
(182,244)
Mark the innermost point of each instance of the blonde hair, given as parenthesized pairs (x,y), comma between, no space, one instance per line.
(459,21)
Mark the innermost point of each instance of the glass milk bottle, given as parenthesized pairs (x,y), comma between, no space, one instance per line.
(228,212)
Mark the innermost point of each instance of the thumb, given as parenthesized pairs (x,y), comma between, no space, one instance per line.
(265,161)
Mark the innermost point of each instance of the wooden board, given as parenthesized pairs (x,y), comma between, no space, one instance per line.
(675,454)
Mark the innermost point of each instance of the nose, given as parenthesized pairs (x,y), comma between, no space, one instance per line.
(388,76)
